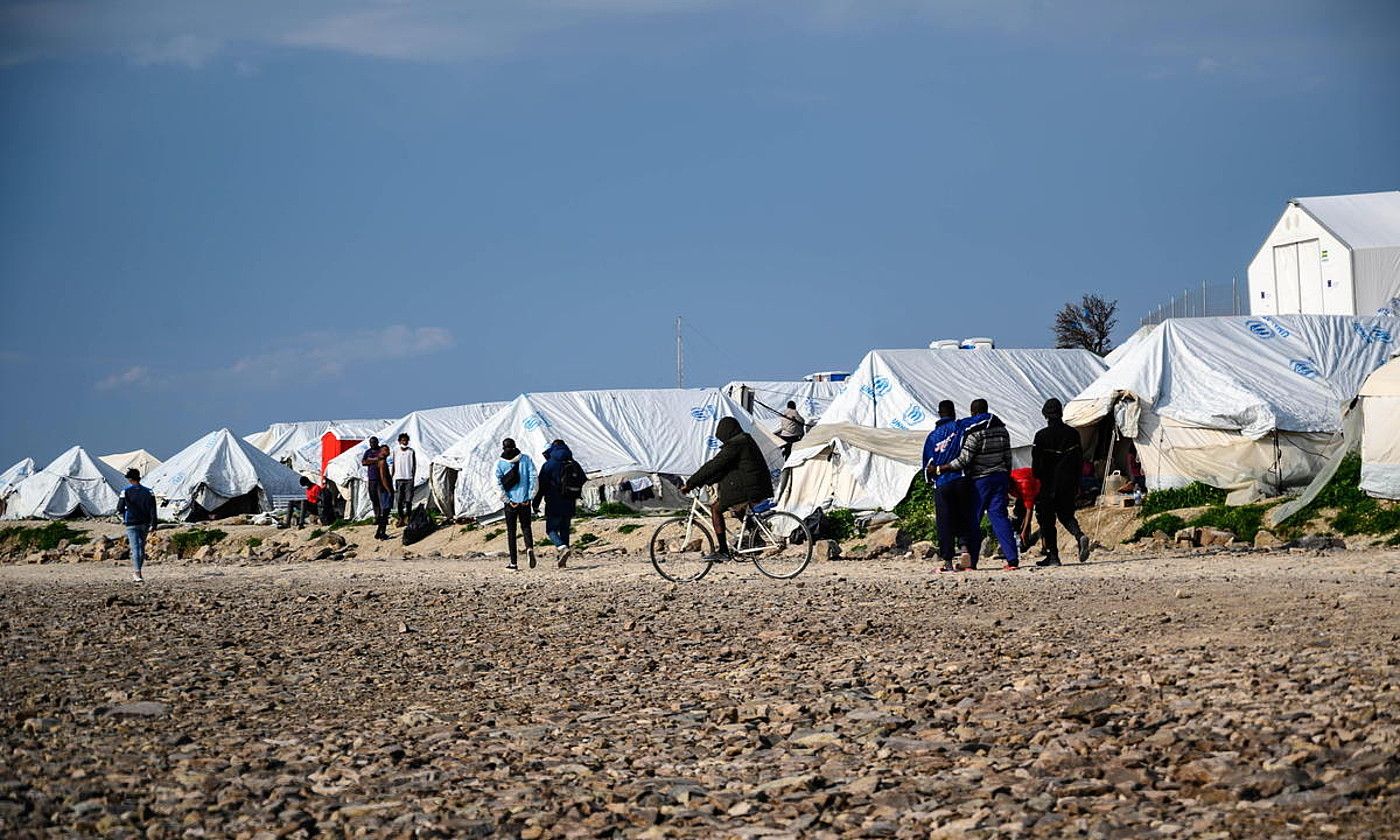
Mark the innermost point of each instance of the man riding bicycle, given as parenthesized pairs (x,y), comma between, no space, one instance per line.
(741,473)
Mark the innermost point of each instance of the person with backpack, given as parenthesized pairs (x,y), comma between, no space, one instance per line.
(741,473)
(1055,457)
(516,476)
(137,506)
(985,459)
(561,486)
(953,499)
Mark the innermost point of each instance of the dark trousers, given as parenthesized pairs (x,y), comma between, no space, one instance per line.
(372,488)
(519,515)
(991,500)
(1050,508)
(788,442)
(557,527)
(955,509)
(381,512)
(298,510)
(403,491)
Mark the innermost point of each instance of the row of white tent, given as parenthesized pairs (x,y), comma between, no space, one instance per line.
(1251,405)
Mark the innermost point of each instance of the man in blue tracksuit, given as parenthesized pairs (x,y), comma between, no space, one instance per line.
(137,506)
(985,461)
(953,505)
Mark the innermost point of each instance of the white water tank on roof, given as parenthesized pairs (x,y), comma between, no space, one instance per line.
(944,344)
(978,343)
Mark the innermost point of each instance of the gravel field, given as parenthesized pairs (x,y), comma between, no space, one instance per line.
(1190,696)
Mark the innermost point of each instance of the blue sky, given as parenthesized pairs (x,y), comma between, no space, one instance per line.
(237,213)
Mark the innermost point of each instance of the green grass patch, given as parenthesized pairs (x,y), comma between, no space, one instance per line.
(1356,512)
(1168,523)
(254,542)
(316,532)
(614,510)
(25,539)
(1243,521)
(469,527)
(628,528)
(1194,494)
(839,524)
(916,512)
(585,538)
(492,534)
(350,523)
(188,541)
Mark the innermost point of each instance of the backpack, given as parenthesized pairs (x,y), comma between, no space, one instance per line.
(419,526)
(571,479)
(511,477)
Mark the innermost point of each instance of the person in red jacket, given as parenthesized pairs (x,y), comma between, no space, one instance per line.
(1025,487)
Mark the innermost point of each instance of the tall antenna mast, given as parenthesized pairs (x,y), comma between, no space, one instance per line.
(680,355)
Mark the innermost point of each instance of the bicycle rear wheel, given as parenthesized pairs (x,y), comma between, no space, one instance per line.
(679,548)
(779,544)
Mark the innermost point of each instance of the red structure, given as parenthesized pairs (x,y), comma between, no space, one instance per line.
(331,446)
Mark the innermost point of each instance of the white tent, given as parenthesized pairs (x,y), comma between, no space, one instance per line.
(866,448)
(140,460)
(765,400)
(430,432)
(1380,435)
(1240,403)
(288,443)
(74,483)
(1112,357)
(1332,255)
(666,431)
(306,459)
(17,472)
(220,475)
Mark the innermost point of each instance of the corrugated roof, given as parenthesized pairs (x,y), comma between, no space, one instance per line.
(1364,220)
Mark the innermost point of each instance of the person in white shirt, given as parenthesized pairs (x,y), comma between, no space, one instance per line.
(793,427)
(405,474)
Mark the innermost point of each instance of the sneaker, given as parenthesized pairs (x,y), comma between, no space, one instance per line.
(531,554)
(1085,546)
(136,578)
(948,567)
(1048,561)
(717,557)
(1010,567)
(564,556)
(511,567)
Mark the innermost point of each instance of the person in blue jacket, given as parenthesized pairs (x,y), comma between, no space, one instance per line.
(516,476)
(559,505)
(953,505)
(137,506)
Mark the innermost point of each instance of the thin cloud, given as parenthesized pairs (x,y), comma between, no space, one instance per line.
(136,376)
(327,355)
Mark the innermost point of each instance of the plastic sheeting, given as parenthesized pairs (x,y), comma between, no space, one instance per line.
(74,483)
(215,469)
(898,391)
(665,431)
(18,471)
(306,459)
(140,460)
(1242,403)
(1380,435)
(771,397)
(285,442)
(430,431)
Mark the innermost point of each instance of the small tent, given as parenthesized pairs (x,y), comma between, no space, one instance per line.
(643,433)
(430,432)
(140,460)
(1380,433)
(73,484)
(867,447)
(1330,255)
(220,475)
(766,400)
(1245,404)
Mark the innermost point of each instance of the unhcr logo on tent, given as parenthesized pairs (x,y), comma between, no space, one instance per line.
(712,443)
(535,421)
(1373,335)
(915,415)
(1259,328)
(879,387)
(1280,329)
(1305,367)
(701,413)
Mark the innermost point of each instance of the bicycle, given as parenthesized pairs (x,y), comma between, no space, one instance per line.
(778,542)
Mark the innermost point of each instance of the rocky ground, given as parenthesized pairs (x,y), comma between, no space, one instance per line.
(1224,695)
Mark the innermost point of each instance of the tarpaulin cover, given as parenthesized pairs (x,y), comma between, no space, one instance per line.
(430,432)
(1380,435)
(17,472)
(306,459)
(770,398)
(216,468)
(73,483)
(285,442)
(140,460)
(667,431)
(899,391)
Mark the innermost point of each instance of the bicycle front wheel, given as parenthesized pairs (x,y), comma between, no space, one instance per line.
(680,549)
(781,545)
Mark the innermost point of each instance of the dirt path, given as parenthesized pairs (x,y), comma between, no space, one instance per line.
(1137,696)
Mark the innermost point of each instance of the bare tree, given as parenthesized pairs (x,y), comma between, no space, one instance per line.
(1086,324)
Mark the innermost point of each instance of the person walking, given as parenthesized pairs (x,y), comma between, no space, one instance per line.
(792,428)
(954,507)
(1056,454)
(560,478)
(137,506)
(741,473)
(985,459)
(405,476)
(384,490)
(370,461)
(516,476)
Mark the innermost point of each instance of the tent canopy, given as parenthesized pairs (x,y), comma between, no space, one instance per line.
(217,469)
(285,442)
(140,459)
(668,431)
(74,483)
(1364,220)
(18,471)
(1380,436)
(771,397)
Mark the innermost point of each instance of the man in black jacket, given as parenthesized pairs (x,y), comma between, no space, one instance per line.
(1056,455)
(739,470)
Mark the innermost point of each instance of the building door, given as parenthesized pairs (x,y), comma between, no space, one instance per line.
(1310,291)
(1286,289)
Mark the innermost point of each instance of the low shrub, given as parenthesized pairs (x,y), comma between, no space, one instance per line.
(628,528)
(585,538)
(1356,512)
(254,542)
(839,524)
(492,534)
(1243,521)
(315,532)
(613,510)
(916,513)
(191,540)
(1194,494)
(25,539)
(1168,523)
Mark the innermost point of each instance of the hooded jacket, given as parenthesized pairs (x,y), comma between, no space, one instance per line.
(551,487)
(524,489)
(941,446)
(738,467)
(1056,458)
(986,446)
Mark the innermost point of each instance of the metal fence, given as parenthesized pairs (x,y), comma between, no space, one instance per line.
(1201,301)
